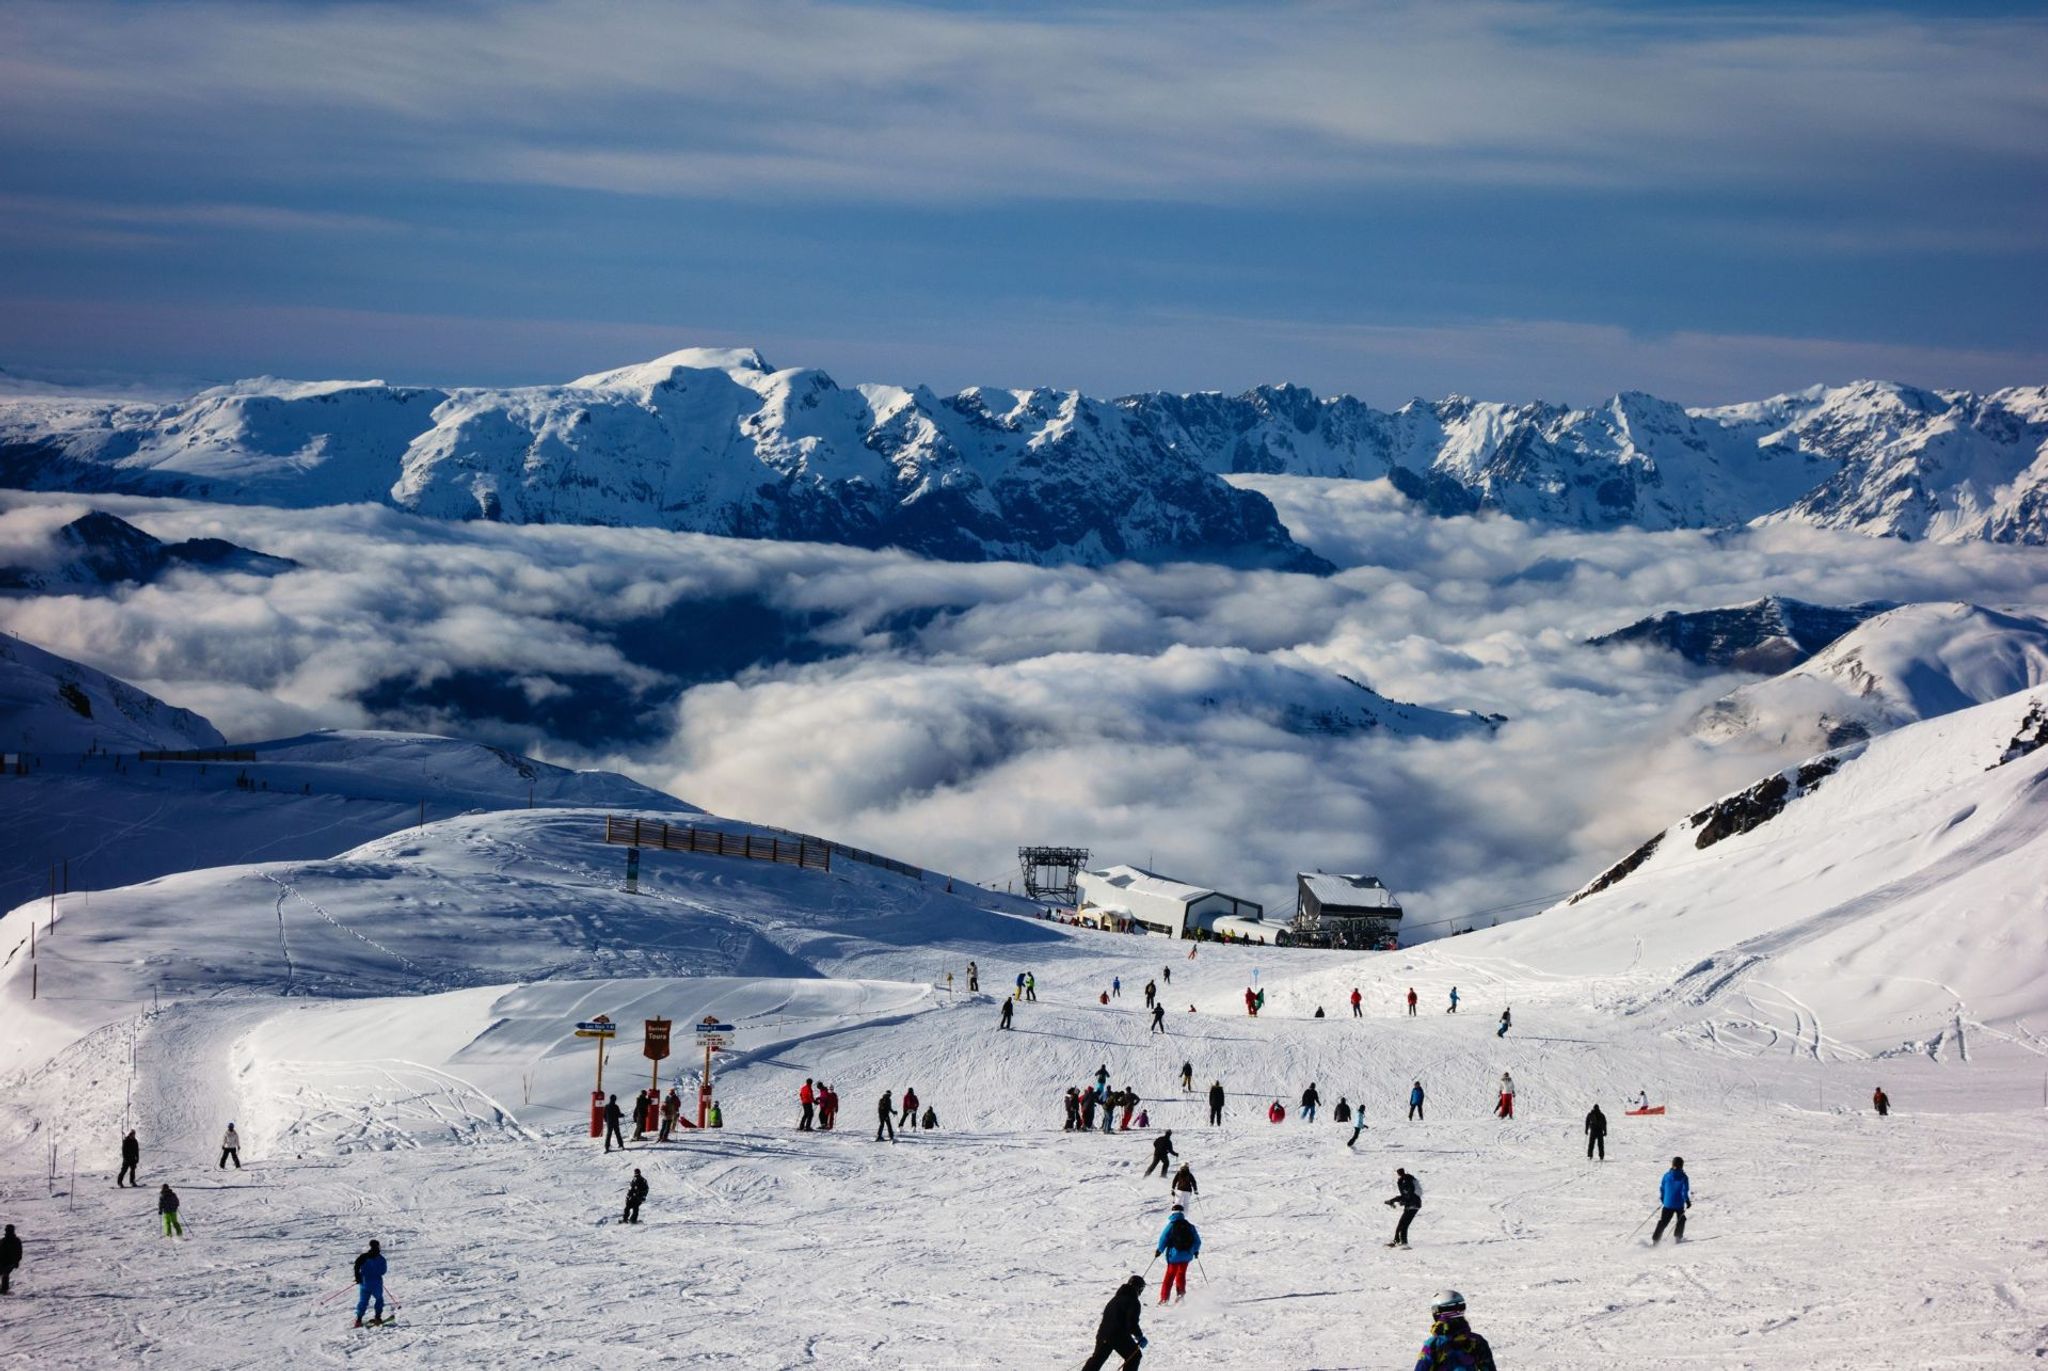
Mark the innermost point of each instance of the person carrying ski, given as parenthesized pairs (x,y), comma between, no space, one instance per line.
(909,1110)
(1674,1193)
(1504,1107)
(1342,1113)
(230,1148)
(613,1116)
(1879,1101)
(1117,1335)
(1409,1197)
(1415,1098)
(1183,1185)
(1179,1243)
(887,1118)
(1216,1102)
(1158,1018)
(1452,1345)
(808,1098)
(131,1156)
(1309,1100)
(1357,1004)
(10,1258)
(1411,1001)
(1005,1021)
(1507,1019)
(1187,1077)
(636,1191)
(167,1207)
(370,1267)
(1162,1148)
(1596,1133)
(1454,1001)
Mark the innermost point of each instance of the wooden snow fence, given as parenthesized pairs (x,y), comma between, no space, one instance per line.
(791,851)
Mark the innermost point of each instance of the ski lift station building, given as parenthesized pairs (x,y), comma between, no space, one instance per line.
(1336,910)
(1160,903)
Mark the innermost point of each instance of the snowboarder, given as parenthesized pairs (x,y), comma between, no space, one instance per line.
(230,1148)
(1183,1185)
(973,978)
(1411,1001)
(1216,1102)
(1187,1077)
(1879,1101)
(1596,1133)
(808,1098)
(930,1120)
(1162,1148)
(909,1110)
(1005,1023)
(1452,1345)
(1342,1113)
(131,1155)
(1415,1098)
(1675,1194)
(636,1191)
(370,1267)
(1117,1334)
(167,1207)
(1357,1004)
(1454,1001)
(1507,1020)
(1116,987)
(613,1116)
(10,1258)
(887,1118)
(1409,1197)
(1504,1107)
(1031,987)
(1309,1100)
(1179,1243)
(1158,1018)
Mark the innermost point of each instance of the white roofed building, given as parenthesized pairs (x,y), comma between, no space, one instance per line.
(1336,910)
(1160,903)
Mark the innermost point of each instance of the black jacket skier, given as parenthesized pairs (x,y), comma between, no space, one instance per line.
(131,1156)
(636,1191)
(612,1116)
(1118,1334)
(1216,1102)
(1006,1014)
(1158,1018)
(1410,1200)
(10,1257)
(1187,1076)
(1596,1133)
(1162,1148)
(887,1117)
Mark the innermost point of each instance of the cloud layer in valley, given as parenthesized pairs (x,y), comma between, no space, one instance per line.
(1197,718)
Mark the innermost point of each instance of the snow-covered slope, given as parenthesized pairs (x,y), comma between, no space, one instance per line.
(705,440)
(49,704)
(1910,663)
(1767,635)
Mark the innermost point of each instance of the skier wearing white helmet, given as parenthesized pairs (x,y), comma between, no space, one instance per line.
(1452,1345)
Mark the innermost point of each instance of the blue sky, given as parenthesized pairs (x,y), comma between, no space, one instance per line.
(1506,199)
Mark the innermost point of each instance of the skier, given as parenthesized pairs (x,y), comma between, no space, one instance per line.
(1162,1148)
(1504,1107)
(1410,1200)
(808,1098)
(1005,1023)
(671,1110)
(887,1117)
(636,1191)
(1596,1133)
(10,1257)
(1342,1113)
(612,1116)
(1187,1077)
(1878,1100)
(973,978)
(1117,1334)
(1216,1102)
(1116,987)
(1675,1194)
(370,1283)
(1088,1099)
(1158,1018)
(1130,1103)
(1357,1126)
(1073,1105)
(1183,1185)
(717,1119)
(167,1207)
(1411,1001)
(131,1155)
(1642,1099)
(909,1110)
(1452,1345)
(1309,1100)
(640,1116)
(1031,987)
(1415,1098)
(1357,1004)
(1275,1112)
(1020,985)
(1166,972)
(1507,1020)
(930,1119)
(230,1148)
(1101,1078)
(1110,1104)
(1454,1001)
(1151,993)
(1180,1244)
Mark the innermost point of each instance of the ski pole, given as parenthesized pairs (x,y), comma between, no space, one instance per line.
(1201,1268)
(1150,1264)
(1646,1218)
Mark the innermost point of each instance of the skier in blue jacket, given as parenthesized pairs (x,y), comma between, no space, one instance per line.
(1180,1244)
(1675,1194)
(370,1283)
(1415,1098)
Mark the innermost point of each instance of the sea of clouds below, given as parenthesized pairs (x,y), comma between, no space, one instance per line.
(971,708)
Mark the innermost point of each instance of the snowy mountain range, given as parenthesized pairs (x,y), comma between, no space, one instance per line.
(718,441)
(98,550)
(1767,635)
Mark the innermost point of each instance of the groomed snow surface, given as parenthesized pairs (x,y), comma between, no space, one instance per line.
(391,1029)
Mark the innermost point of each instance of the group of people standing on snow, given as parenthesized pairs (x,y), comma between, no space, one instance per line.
(820,1104)
(1083,1102)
